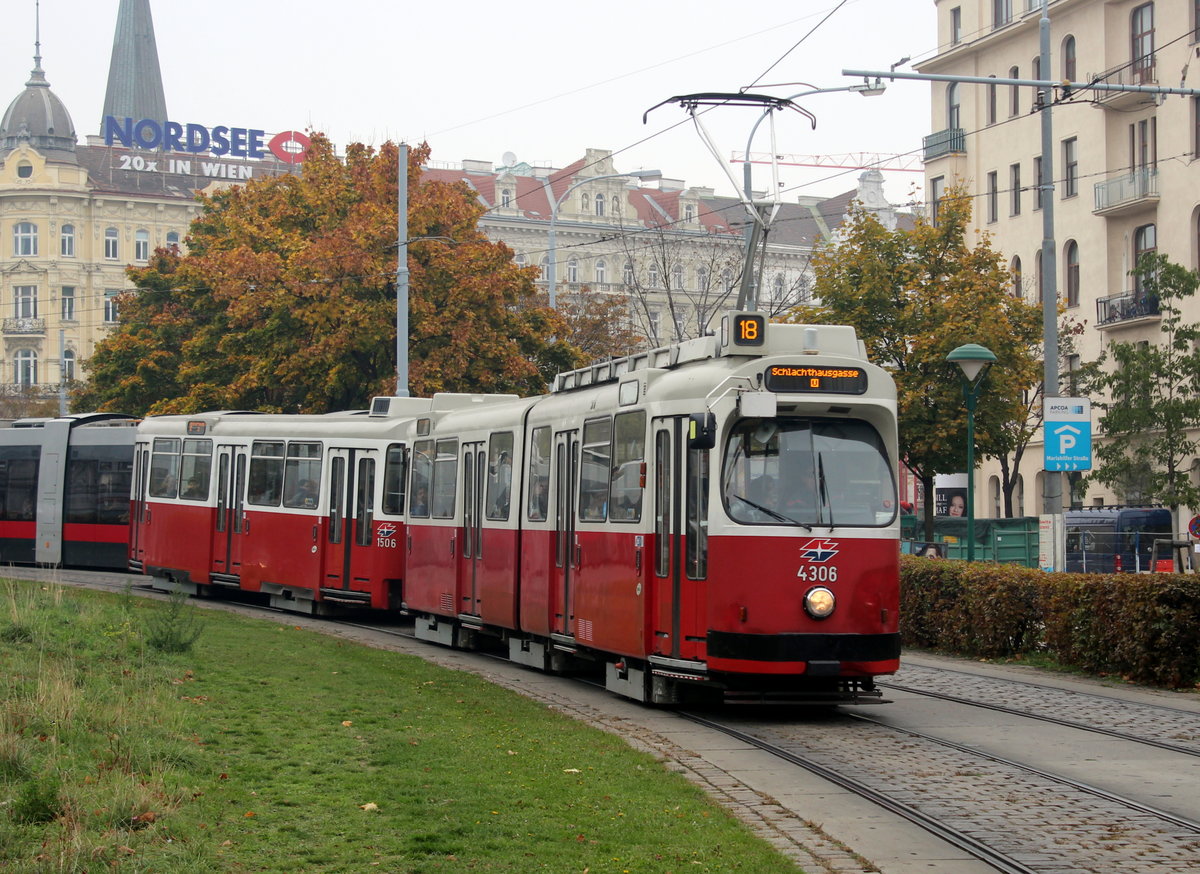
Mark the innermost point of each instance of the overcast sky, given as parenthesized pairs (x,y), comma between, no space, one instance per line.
(543,79)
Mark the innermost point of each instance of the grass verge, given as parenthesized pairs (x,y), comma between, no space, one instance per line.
(268,748)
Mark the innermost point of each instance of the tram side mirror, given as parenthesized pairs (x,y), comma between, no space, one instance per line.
(702,431)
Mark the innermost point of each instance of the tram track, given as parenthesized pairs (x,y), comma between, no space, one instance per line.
(1158,725)
(958,838)
(1011,815)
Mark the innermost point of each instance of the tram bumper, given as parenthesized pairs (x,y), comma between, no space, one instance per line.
(816,655)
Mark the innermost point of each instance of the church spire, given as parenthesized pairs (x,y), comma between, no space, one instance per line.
(135,88)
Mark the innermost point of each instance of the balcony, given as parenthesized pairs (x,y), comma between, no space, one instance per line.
(1143,71)
(1127,192)
(24,326)
(951,141)
(1121,310)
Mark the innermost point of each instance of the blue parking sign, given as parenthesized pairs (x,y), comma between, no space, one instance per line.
(1067,427)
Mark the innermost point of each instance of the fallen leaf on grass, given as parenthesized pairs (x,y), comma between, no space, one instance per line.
(144,819)
(370,805)
(347,723)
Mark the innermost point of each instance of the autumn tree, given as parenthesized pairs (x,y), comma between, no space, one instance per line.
(598,323)
(913,296)
(286,299)
(1151,398)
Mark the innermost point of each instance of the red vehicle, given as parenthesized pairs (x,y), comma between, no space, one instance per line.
(711,520)
(307,509)
(65,486)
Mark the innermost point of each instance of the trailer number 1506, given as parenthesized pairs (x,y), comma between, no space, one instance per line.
(818,573)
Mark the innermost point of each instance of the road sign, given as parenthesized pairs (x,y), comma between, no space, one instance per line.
(1067,436)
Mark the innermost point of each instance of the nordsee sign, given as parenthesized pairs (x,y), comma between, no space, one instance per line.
(196,139)
(171,136)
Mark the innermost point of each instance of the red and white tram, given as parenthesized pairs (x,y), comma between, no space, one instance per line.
(714,519)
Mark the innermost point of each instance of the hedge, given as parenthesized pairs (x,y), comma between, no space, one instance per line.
(1144,627)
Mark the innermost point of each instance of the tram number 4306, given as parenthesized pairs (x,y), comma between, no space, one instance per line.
(818,573)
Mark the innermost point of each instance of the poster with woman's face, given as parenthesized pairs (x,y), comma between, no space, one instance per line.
(950,502)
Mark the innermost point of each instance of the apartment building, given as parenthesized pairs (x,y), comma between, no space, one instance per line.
(1125,179)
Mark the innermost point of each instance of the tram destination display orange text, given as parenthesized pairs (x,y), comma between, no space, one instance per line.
(810,378)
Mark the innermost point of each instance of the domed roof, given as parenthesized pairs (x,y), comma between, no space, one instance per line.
(39,118)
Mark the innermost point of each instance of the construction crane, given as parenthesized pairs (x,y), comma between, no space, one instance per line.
(905,163)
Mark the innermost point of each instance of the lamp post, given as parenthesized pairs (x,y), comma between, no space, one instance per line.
(551,272)
(747,297)
(973,360)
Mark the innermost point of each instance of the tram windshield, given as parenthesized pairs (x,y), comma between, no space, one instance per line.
(807,472)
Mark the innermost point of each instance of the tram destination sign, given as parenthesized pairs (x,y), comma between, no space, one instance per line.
(794,378)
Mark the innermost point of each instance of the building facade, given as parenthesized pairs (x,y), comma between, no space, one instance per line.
(673,250)
(75,216)
(1125,180)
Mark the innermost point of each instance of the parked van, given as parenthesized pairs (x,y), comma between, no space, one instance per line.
(1105,540)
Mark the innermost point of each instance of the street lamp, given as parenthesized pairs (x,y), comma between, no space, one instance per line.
(747,299)
(973,360)
(552,271)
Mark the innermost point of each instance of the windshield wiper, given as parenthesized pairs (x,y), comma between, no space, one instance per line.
(824,487)
(788,520)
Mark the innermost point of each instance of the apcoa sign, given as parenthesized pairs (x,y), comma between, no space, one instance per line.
(196,139)
(1068,434)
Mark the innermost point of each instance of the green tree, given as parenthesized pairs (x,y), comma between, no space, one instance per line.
(286,299)
(1151,405)
(913,296)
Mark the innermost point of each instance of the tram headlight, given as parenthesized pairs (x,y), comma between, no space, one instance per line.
(819,602)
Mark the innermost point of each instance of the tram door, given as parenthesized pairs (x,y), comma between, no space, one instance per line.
(137,512)
(680,562)
(229,523)
(474,467)
(350,532)
(566,542)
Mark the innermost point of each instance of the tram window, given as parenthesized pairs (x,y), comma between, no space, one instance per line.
(697,514)
(595,470)
(18,482)
(364,517)
(807,472)
(266,473)
(539,474)
(422,476)
(195,470)
(98,485)
(629,451)
(393,479)
(445,479)
(662,503)
(499,489)
(302,475)
(164,468)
